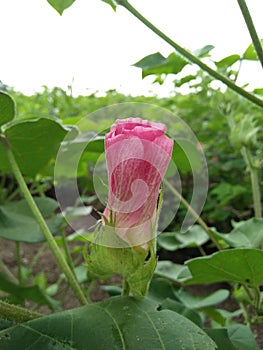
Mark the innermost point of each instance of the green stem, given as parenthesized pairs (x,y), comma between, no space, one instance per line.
(257,300)
(190,57)
(7,272)
(246,314)
(19,263)
(209,232)
(90,288)
(38,254)
(67,251)
(43,225)
(254,183)
(126,288)
(16,313)
(252,30)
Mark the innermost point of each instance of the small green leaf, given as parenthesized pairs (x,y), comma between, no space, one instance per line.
(199,302)
(61,5)
(153,60)
(112,3)
(7,108)
(161,289)
(204,51)
(186,155)
(250,53)
(158,64)
(118,323)
(258,91)
(236,265)
(184,80)
(247,234)
(32,293)
(227,61)
(18,223)
(221,338)
(194,237)
(171,271)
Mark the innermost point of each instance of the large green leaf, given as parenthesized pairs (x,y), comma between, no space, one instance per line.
(34,143)
(7,108)
(18,223)
(250,53)
(32,293)
(235,265)
(183,310)
(119,323)
(158,64)
(61,5)
(247,234)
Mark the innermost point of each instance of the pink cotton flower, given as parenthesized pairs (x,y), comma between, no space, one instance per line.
(137,154)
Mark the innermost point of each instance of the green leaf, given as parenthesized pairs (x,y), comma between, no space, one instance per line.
(161,289)
(34,143)
(186,155)
(226,192)
(242,337)
(194,237)
(181,309)
(171,271)
(18,223)
(250,53)
(118,323)
(204,51)
(258,91)
(184,80)
(227,61)
(199,302)
(221,338)
(32,293)
(111,3)
(7,108)
(247,234)
(61,5)
(158,64)
(236,265)
(5,324)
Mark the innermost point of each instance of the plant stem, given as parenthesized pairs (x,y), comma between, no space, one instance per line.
(37,255)
(210,233)
(17,313)
(19,263)
(43,225)
(252,30)
(257,299)
(190,57)
(67,251)
(8,273)
(126,288)
(254,183)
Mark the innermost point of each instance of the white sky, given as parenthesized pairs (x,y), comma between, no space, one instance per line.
(97,47)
